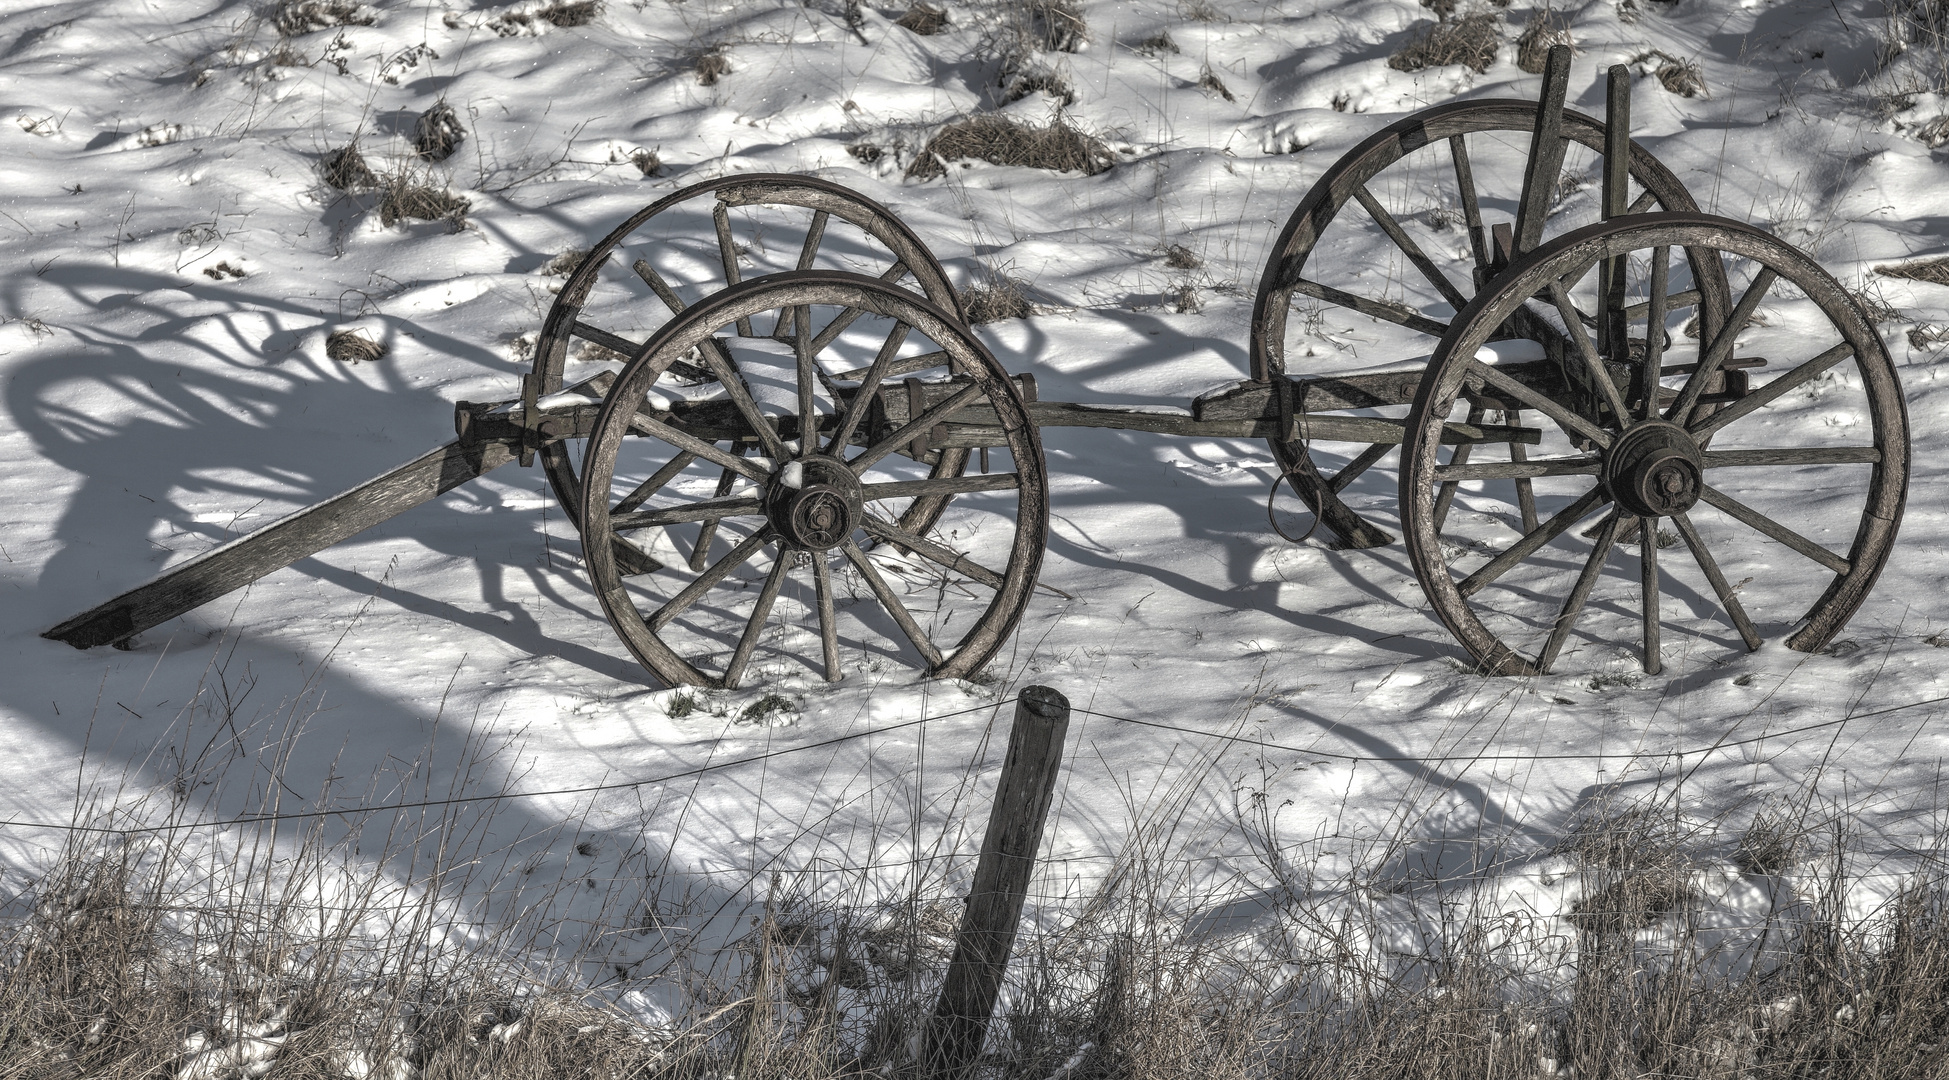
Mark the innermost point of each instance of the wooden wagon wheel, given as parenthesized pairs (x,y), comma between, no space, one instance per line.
(662,259)
(1415,247)
(826,472)
(1786,495)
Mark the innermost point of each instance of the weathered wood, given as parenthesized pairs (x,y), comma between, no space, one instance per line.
(239,562)
(1545,152)
(1001,882)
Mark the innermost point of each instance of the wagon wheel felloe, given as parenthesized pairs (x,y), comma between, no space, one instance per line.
(826,421)
(696,242)
(1786,494)
(1403,230)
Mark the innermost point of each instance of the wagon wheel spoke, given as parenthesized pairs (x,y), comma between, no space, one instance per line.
(1555,410)
(1409,248)
(1741,512)
(1533,541)
(850,315)
(869,388)
(717,354)
(1645,201)
(1648,586)
(727,254)
(691,593)
(1795,455)
(1654,332)
(1379,309)
(1457,457)
(708,529)
(658,286)
(1721,347)
(642,492)
(1519,455)
(1458,152)
(1573,606)
(891,602)
(1360,464)
(1587,352)
(683,440)
(710,511)
(1717,579)
(755,626)
(908,431)
(828,620)
(951,485)
(927,549)
(1704,428)
(1518,470)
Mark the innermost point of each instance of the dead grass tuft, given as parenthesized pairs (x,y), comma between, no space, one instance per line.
(1179,257)
(295,17)
(1675,73)
(567,13)
(438,132)
(647,163)
(1934,271)
(1040,82)
(1209,80)
(1185,300)
(710,65)
(1001,140)
(923,19)
(866,153)
(408,199)
(1158,44)
(1471,41)
(352,347)
(995,298)
(345,169)
(1056,25)
(1544,30)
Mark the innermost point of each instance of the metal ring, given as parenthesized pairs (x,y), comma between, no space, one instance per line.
(1270,517)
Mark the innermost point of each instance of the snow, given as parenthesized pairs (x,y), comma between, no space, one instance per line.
(156,406)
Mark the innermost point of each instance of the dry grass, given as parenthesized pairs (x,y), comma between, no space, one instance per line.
(1470,41)
(295,17)
(995,298)
(1158,44)
(647,163)
(352,347)
(408,198)
(1544,29)
(923,19)
(1209,80)
(438,132)
(1675,73)
(1179,257)
(1040,82)
(1055,25)
(1934,271)
(710,65)
(345,169)
(1002,140)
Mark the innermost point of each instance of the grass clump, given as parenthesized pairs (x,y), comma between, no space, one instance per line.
(647,163)
(1055,25)
(923,19)
(1209,80)
(407,199)
(567,13)
(1934,271)
(1471,41)
(1179,257)
(770,710)
(1040,82)
(710,65)
(1158,44)
(1675,73)
(438,132)
(295,17)
(345,170)
(995,298)
(866,153)
(1001,140)
(1544,30)
(352,347)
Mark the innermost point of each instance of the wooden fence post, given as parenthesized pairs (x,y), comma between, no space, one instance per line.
(1001,881)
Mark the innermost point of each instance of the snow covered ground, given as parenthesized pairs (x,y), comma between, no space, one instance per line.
(174,264)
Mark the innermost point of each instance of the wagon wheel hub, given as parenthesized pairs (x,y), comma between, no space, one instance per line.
(1655,470)
(814,503)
